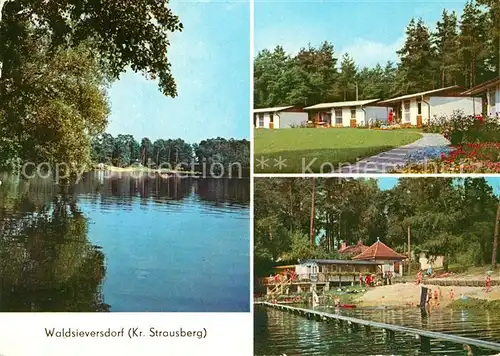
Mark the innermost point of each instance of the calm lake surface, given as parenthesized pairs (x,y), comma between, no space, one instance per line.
(125,244)
(279,333)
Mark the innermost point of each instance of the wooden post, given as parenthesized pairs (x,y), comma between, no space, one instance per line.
(425,344)
(423,298)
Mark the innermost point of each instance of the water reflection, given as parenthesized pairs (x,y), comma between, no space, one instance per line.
(278,332)
(60,251)
(46,260)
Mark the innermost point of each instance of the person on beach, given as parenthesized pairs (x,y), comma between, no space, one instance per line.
(452,294)
(419,278)
(367,280)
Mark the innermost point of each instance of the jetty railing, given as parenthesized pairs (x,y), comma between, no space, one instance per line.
(424,335)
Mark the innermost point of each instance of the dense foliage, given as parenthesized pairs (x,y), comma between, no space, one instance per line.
(124,150)
(450,217)
(461,51)
(56,61)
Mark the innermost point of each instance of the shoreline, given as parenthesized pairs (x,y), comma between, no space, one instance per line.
(407,295)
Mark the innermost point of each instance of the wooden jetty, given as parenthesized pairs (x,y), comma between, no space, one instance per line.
(390,329)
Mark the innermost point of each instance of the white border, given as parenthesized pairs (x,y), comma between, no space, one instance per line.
(250,123)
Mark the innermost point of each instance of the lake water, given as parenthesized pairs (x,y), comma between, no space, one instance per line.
(125,244)
(280,333)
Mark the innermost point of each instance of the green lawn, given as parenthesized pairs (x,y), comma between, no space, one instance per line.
(319,150)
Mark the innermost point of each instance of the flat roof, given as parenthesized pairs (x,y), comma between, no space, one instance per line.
(342,262)
(424,93)
(340,104)
(283,267)
(482,87)
(275,109)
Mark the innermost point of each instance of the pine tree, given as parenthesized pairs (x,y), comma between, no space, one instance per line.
(446,42)
(418,59)
(473,45)
(494,32)
(319,66)
(346,83)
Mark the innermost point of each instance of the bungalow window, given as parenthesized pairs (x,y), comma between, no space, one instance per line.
(353,113)
(261,120)
(271,118)
(338,116)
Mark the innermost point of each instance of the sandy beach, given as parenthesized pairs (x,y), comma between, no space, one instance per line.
(406,294)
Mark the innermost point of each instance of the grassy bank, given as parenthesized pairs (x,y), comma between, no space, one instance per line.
(297,148)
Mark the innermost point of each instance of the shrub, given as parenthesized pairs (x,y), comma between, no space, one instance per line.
(301,125)
(461,129)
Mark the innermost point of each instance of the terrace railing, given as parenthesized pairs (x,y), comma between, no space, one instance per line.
(320,277)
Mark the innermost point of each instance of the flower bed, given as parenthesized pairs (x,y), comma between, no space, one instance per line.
(468,158)
(475,146)
(427,153)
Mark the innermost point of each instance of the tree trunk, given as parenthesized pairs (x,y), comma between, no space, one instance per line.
(311,226)
(2,3)
(495,239)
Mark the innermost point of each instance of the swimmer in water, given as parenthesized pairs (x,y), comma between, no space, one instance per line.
(436,298)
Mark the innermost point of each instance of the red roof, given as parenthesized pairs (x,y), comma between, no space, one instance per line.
(353,250)
(379,251)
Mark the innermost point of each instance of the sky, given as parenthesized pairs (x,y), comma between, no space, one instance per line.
(371,31)
(210,61)
(389,183)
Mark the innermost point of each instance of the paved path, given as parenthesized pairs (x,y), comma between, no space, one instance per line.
(386,161)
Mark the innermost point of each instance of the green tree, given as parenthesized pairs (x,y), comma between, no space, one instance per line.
(446,42)
(473,45)
(346,83)
(146,151)
(124,34)
(417,68)
(494,31)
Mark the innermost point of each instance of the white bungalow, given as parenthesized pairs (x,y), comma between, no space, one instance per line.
(347,113)
(492,91)
(279,117)
(416,109)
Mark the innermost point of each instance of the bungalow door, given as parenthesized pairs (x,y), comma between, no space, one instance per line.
(406,112)
(338,117)
(271,121)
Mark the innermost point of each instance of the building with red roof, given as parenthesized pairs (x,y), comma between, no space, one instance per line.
(390,260)
(353,250)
